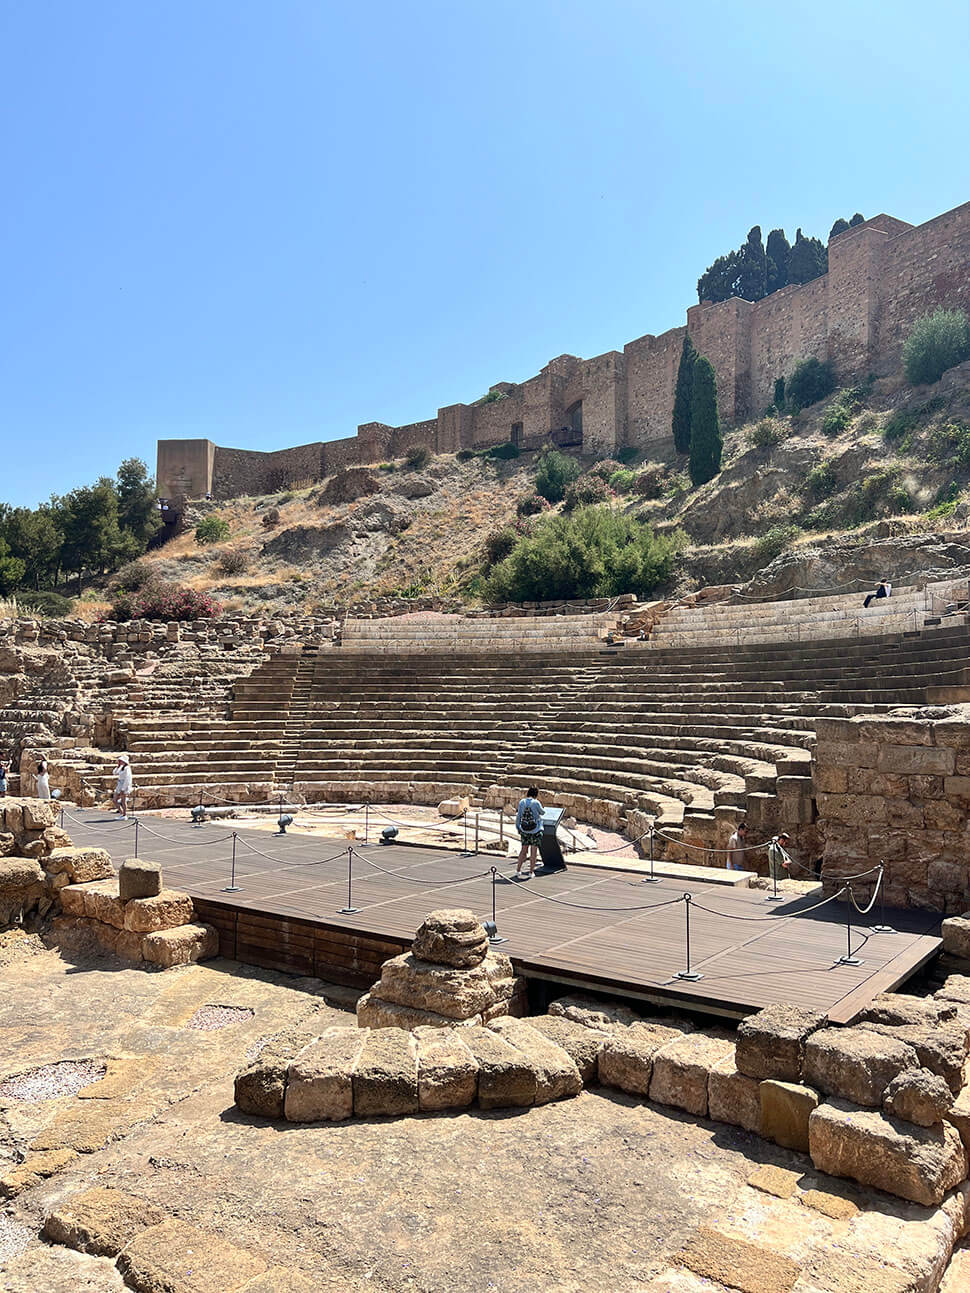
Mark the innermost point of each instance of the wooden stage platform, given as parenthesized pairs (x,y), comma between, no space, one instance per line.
(591,928)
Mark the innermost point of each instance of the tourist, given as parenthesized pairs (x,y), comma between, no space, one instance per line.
(779,861)
(882,590)
(528,822)
(43,783)
(3,778)
(122,785)
(736,844)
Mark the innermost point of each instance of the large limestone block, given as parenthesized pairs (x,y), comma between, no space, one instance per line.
(182,946)
(447,991)
(100,1221)
(893,1008)
(941,1047)
(166,910)
(785,1111)
(373,1012)
(385,1079)
(682,1069)
(175,1257)
(454,937)
(582,1044)
(80,864)
(447,1070)
(626,1059)
(595,1014)
(103,902)
(855,1063)
(959,1115)
(19,813)
(505,1076)
(319,1082)
(138,878)
(260,1088)
(22,887)
(916,1163)
(34,1169)
(918,1096)
(956,989)
(556,1074)
(733,1097)
(955,932)
(771,1043)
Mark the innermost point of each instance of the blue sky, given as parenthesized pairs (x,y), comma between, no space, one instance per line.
(267,222)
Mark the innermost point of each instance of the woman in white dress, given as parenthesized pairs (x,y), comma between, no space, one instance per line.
(122,785)
(43,784)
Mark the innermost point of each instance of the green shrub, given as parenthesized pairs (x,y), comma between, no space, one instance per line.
(899,500)
(651,482)
(556,471)
(590,552)
(462,455)
(418,456)
(392,466)
(628,454)
(821,481)
(938,341)
(621,482)
(503,451)
(942,510)
(810,382)
(950,445)
(766,434)
(823,517)
(531,504)
(836,419)
(44,604)
(779,395)
(605,468)
(899,424)
(132,576)
(499,544)
(677,484)
(948,493)
(774,541)
(211,529)
(585,491)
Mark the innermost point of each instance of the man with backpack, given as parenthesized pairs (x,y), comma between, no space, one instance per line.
(528,823)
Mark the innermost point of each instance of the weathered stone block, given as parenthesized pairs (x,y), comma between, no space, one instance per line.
(139,879)
(626,1059)
(733,1097)
(102,902)
(166,910)
(955,932)
(785,1111)
(100,1221)
(456,993)
(582,1044)
(34,1169)
(594,1014)
(319,1081)
(918,1096)
(373,1012)
(453,937)
(956,988)
(855,1063)
(682,1069)
(920,759)
(556,1074)
(898,1008)
(505,1076)
(385,1079)
(157,1260)
(447,1070)
(771,1043)
(80,864)
(916,1163)
(940,1047)
(182,946)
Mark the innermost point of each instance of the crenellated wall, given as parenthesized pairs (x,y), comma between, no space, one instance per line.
(883,274)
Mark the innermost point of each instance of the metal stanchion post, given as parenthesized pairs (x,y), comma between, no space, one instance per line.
(491,926)
(651,878)
(848,959)
(62,816)
(465,823)
(136,837)
(350,908)
(476,834)
(693,975)
(366,821)
(882,927)
(501,827)
(774,896)
(232,887)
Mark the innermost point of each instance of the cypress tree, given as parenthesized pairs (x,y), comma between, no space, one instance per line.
(778,251)
(809,259)
(753,270)
(858,218)
(705,430)
(680,422)
(840,226)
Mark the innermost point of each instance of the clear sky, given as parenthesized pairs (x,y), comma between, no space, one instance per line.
(267,222)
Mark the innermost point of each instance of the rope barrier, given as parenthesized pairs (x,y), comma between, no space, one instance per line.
(579,906)
(864,911)
(396,875)
(782,916)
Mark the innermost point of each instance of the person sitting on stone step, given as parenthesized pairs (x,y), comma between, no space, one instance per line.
(528,823)
(881,591)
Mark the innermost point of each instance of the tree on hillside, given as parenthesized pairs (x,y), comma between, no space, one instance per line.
(858,218)
(680,421)
(11,570)
(137,500)
(93,539)
(840,226)
(752,282)
(718,281)
(937,342)
(778,252)
(809,259)
(705,430)
(35,538)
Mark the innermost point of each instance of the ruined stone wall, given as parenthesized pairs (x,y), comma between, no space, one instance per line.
(895,789)
(883,275)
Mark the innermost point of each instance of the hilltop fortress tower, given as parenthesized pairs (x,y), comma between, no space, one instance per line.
(882,275)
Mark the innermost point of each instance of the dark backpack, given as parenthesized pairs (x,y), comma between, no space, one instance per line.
(529,825)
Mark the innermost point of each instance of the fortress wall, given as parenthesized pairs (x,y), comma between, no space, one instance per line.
(248,471)
(455,428)
(413,435)
(184,467)
(602,388)
(924,268)
(335,455)
(651,378)
(721,332)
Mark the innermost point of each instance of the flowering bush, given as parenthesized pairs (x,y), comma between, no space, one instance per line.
(586,491)
(530,504)
(164,602)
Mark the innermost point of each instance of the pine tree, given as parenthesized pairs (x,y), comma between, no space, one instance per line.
(680,422)
(840,226)
(705,430)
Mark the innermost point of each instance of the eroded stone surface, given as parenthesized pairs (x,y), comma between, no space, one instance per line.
(139,878)
(505,1076)
(319,1080)
(918,1096)
(582,1043)
(682,1068)
(855,1063)
(100,1221)
(732,1096)
(447,1070)
(556,1074)
(626,1060)
(785,1111)
(385,1078)
(771,1043)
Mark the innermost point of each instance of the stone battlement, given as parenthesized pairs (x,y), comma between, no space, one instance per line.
(883,274)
